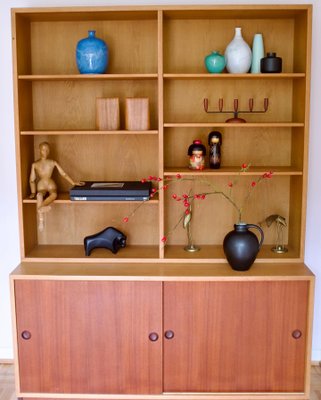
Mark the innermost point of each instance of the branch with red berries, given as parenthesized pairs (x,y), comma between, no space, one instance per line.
(187,199)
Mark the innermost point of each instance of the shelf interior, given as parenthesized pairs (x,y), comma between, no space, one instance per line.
(158,53)
(212,254)
(205,31)
(130,40)
(183,101)
(71,105)
(258,147)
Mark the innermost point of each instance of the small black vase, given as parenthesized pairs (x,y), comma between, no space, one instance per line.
(271,63)
(241,246)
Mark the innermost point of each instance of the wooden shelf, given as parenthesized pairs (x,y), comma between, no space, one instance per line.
(215,254)
(208,254)
(83,14)
(227,11)
(72,253)
(158,271)
(277,171)
(234,126)
(288,75)
(63,198)
(85,77)
(88,132)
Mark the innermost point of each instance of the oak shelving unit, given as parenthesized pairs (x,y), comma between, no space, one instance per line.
(158,52)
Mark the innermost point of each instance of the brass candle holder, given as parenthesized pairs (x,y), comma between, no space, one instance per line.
(280,224)
(236,111)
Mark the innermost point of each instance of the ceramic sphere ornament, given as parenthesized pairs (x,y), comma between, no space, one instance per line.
(215,62)
(92,55)
(238,54)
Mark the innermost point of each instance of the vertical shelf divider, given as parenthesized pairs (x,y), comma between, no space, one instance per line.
(307,90)
(160,129)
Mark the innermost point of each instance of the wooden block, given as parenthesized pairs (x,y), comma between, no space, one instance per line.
(107,114)
(137,114)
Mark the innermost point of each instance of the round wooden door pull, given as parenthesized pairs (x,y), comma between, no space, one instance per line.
(296,334)
(26,335)
(153,337)
(169,334)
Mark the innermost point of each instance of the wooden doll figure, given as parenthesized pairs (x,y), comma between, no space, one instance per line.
(215,143)
(196,153)
(42,186)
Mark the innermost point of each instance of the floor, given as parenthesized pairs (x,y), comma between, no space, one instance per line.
(316,383)
(7,382)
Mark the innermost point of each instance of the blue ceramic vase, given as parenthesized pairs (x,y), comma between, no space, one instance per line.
(92,55)
(257,53)
(215,62)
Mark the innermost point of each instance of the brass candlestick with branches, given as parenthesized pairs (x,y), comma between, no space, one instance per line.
(280,224)
(187,225)
(236,111)
(210,188)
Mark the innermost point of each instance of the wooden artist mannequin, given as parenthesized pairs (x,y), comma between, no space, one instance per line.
(41,183)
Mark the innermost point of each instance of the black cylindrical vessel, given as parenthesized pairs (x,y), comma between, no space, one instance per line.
(271,63)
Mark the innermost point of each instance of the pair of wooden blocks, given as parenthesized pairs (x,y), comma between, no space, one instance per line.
(136,114)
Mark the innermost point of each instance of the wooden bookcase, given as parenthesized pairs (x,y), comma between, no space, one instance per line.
(158,52)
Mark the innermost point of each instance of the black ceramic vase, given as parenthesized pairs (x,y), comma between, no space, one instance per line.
(241,246)
(271,63)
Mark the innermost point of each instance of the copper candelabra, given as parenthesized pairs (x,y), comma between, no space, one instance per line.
(236,111)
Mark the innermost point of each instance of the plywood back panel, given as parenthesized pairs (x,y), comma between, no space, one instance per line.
(68,224)
(257,147)
(214,217)
(72,105)
(183,100)
(132,45)
(187,41)
(22,38)
(110,158)
(296,230)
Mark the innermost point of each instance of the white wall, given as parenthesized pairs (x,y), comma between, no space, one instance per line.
(9,241)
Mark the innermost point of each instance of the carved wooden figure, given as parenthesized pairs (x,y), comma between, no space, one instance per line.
(42,186)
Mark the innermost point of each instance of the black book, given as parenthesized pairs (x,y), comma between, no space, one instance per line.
(116,190)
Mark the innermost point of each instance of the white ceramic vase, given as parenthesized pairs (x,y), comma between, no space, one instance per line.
(238,54)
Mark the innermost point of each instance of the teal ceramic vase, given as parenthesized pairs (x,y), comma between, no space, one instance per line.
(257,53)
(215,62)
